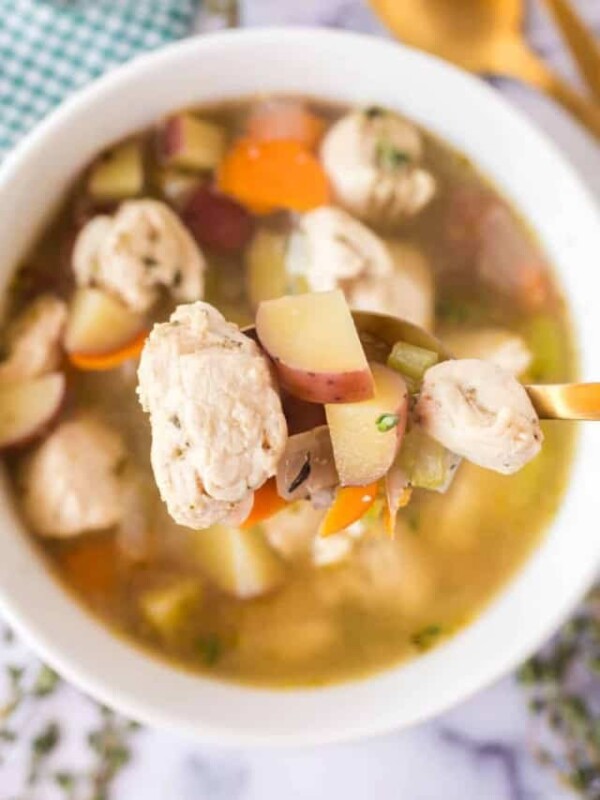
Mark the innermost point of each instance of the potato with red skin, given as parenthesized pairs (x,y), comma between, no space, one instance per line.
(27,408)
(98,324)
(315,347)
(216,221)
(190,143)
(366,436)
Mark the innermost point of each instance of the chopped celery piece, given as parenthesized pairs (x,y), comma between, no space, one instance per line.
(425,462)
(412,361)
(265,266)
(168,608)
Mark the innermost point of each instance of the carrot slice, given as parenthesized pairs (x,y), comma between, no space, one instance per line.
(97,363)
(266,503)
(285,119)
(350,504)
(90,564)
(266,176)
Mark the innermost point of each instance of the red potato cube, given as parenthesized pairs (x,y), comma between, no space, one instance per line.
(315,347)
(28,407)
(188,142)
(366,436)
(99,324)
(216,221)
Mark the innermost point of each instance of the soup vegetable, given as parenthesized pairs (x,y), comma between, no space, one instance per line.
(248,207)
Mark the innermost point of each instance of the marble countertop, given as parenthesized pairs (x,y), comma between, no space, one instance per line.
(477,751)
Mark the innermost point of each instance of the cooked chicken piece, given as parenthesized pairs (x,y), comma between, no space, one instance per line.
(332,250)
(504,348)
(372,159)
(327,551)
(335,251)
(34,340)
(72,483)
(408,293)
(481,412)
(142,248)
(291,531)
(218,430)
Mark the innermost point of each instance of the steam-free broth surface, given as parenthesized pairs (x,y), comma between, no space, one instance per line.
(389,599)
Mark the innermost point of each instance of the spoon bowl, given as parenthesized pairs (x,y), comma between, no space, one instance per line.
(565,401)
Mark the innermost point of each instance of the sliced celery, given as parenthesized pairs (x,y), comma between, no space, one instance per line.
(412,361)
(425,462)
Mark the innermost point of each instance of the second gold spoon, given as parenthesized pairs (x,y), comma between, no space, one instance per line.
(482,36)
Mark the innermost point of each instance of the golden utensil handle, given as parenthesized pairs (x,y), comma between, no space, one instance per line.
(581,42)
(574,401)
(515,60)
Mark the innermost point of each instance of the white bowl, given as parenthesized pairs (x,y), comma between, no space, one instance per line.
(527,168)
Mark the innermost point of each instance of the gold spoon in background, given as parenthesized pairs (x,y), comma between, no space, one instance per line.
(581,41)
(482,36)
(569,401)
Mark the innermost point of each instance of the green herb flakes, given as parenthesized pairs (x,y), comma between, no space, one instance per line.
(386,422)
(389,157)
(210,648)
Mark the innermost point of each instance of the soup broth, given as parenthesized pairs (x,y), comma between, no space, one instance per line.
(389,599)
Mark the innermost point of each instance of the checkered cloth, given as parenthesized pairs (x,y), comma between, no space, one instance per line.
(48,48)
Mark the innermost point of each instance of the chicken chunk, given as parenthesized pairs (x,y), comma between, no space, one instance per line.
(142,248)
(72,483)
(502,347)
(332,250)
(218,429)
(481,412)
(372,159)
(34,340)
(408,293)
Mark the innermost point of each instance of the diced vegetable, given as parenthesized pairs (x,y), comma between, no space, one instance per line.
(118,173)
(366,435)
(89,564)
(191,143)
(427,463)
(100,325)
(99,363)
(267,502)
(266,176)
(168,608)
(285,119)
(315,347)
(350,504)
(397,495)
(239,562)
(28,407)
(307,465)
(265,266)
(175,185)
(411,361)
(216,221)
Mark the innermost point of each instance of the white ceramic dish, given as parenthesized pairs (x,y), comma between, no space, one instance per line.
(527,168)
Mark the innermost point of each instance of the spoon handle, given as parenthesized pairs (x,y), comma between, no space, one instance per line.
(581,41)
(518,61)
(571,401)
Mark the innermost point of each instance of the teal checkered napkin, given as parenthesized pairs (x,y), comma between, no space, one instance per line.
(48,48)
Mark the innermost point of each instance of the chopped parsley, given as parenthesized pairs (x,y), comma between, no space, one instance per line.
(390,157)
(386,422)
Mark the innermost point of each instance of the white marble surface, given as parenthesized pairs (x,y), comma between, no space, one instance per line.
(478,751)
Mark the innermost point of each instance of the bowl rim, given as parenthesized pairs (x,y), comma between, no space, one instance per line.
(275,704)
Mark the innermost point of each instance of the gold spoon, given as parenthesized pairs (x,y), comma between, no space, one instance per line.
(581,41)
(569,401)
(482,36)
